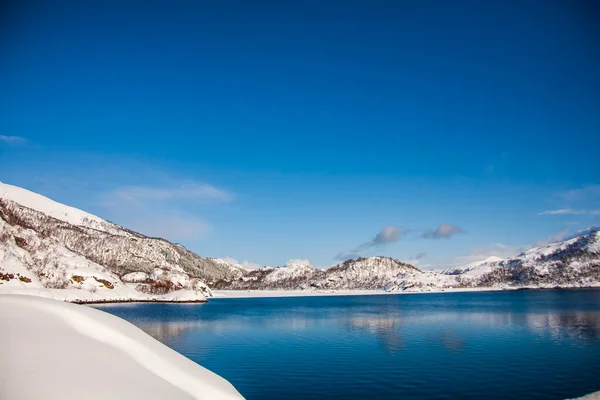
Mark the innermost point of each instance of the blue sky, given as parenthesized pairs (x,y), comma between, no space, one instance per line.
(271,130)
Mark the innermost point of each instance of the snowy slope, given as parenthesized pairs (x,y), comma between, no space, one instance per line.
(569,263)
(51,349)
(70,249)
(57,210)
(474,268)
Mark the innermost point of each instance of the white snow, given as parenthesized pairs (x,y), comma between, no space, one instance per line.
(290,271)
(591,396)
(476,268)
(55,350)
(57,210)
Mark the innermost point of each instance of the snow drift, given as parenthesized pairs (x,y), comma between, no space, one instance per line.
(56,350)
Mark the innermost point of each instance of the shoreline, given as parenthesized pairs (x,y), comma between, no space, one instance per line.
(134,301)
(247,294)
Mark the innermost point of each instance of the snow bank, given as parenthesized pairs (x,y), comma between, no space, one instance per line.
(57,350)
(591,396)
(122,294)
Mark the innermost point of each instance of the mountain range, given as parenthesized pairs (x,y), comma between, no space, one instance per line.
(53,250)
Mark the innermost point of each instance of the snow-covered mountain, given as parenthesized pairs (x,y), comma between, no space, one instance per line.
(474,268)
(373,273)
(45,245)
(570,263)
(574,262)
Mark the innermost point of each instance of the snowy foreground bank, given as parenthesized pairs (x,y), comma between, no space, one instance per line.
(56,350)
(118,295)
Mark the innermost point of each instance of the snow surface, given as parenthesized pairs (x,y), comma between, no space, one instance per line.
(591,396)
(56,350)
(476,268)
(57,210)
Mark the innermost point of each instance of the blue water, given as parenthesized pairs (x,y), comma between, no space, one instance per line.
(494,345)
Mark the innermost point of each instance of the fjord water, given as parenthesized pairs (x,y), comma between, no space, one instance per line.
(492,345)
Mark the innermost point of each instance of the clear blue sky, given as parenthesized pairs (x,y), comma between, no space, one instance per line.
(270,130)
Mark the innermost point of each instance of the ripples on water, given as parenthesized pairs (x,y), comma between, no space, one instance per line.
(498,345)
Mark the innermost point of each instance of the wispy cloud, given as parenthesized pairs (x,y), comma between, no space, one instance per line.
(553,238)
(190,191)
(443,231)
(586,192)
(170,211)
(12,139)
(170,226)
(387,235)
(569,211)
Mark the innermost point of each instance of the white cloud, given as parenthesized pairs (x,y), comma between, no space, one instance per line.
(190,191)
(171,227)
(388,234)
(580,201)
(553,238)
(569,211)
(385,236)
(443,231)
(169,211)
(12,139)
(583,193)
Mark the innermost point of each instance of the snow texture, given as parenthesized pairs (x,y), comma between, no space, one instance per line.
(56,350)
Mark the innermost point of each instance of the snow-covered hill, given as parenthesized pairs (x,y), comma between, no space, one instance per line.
(374,273)
(59,251)
(571,263)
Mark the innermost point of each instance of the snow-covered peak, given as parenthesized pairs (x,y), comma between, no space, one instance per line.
(375,263)
(487,260)
(57,210)
(588,241)
(292,269)
(475,267)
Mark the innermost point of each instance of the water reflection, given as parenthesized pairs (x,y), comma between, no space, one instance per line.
(388,322)
(580,326)
(166,331)
(452,342)
(385,328)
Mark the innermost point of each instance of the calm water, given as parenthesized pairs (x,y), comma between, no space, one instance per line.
(517,344)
